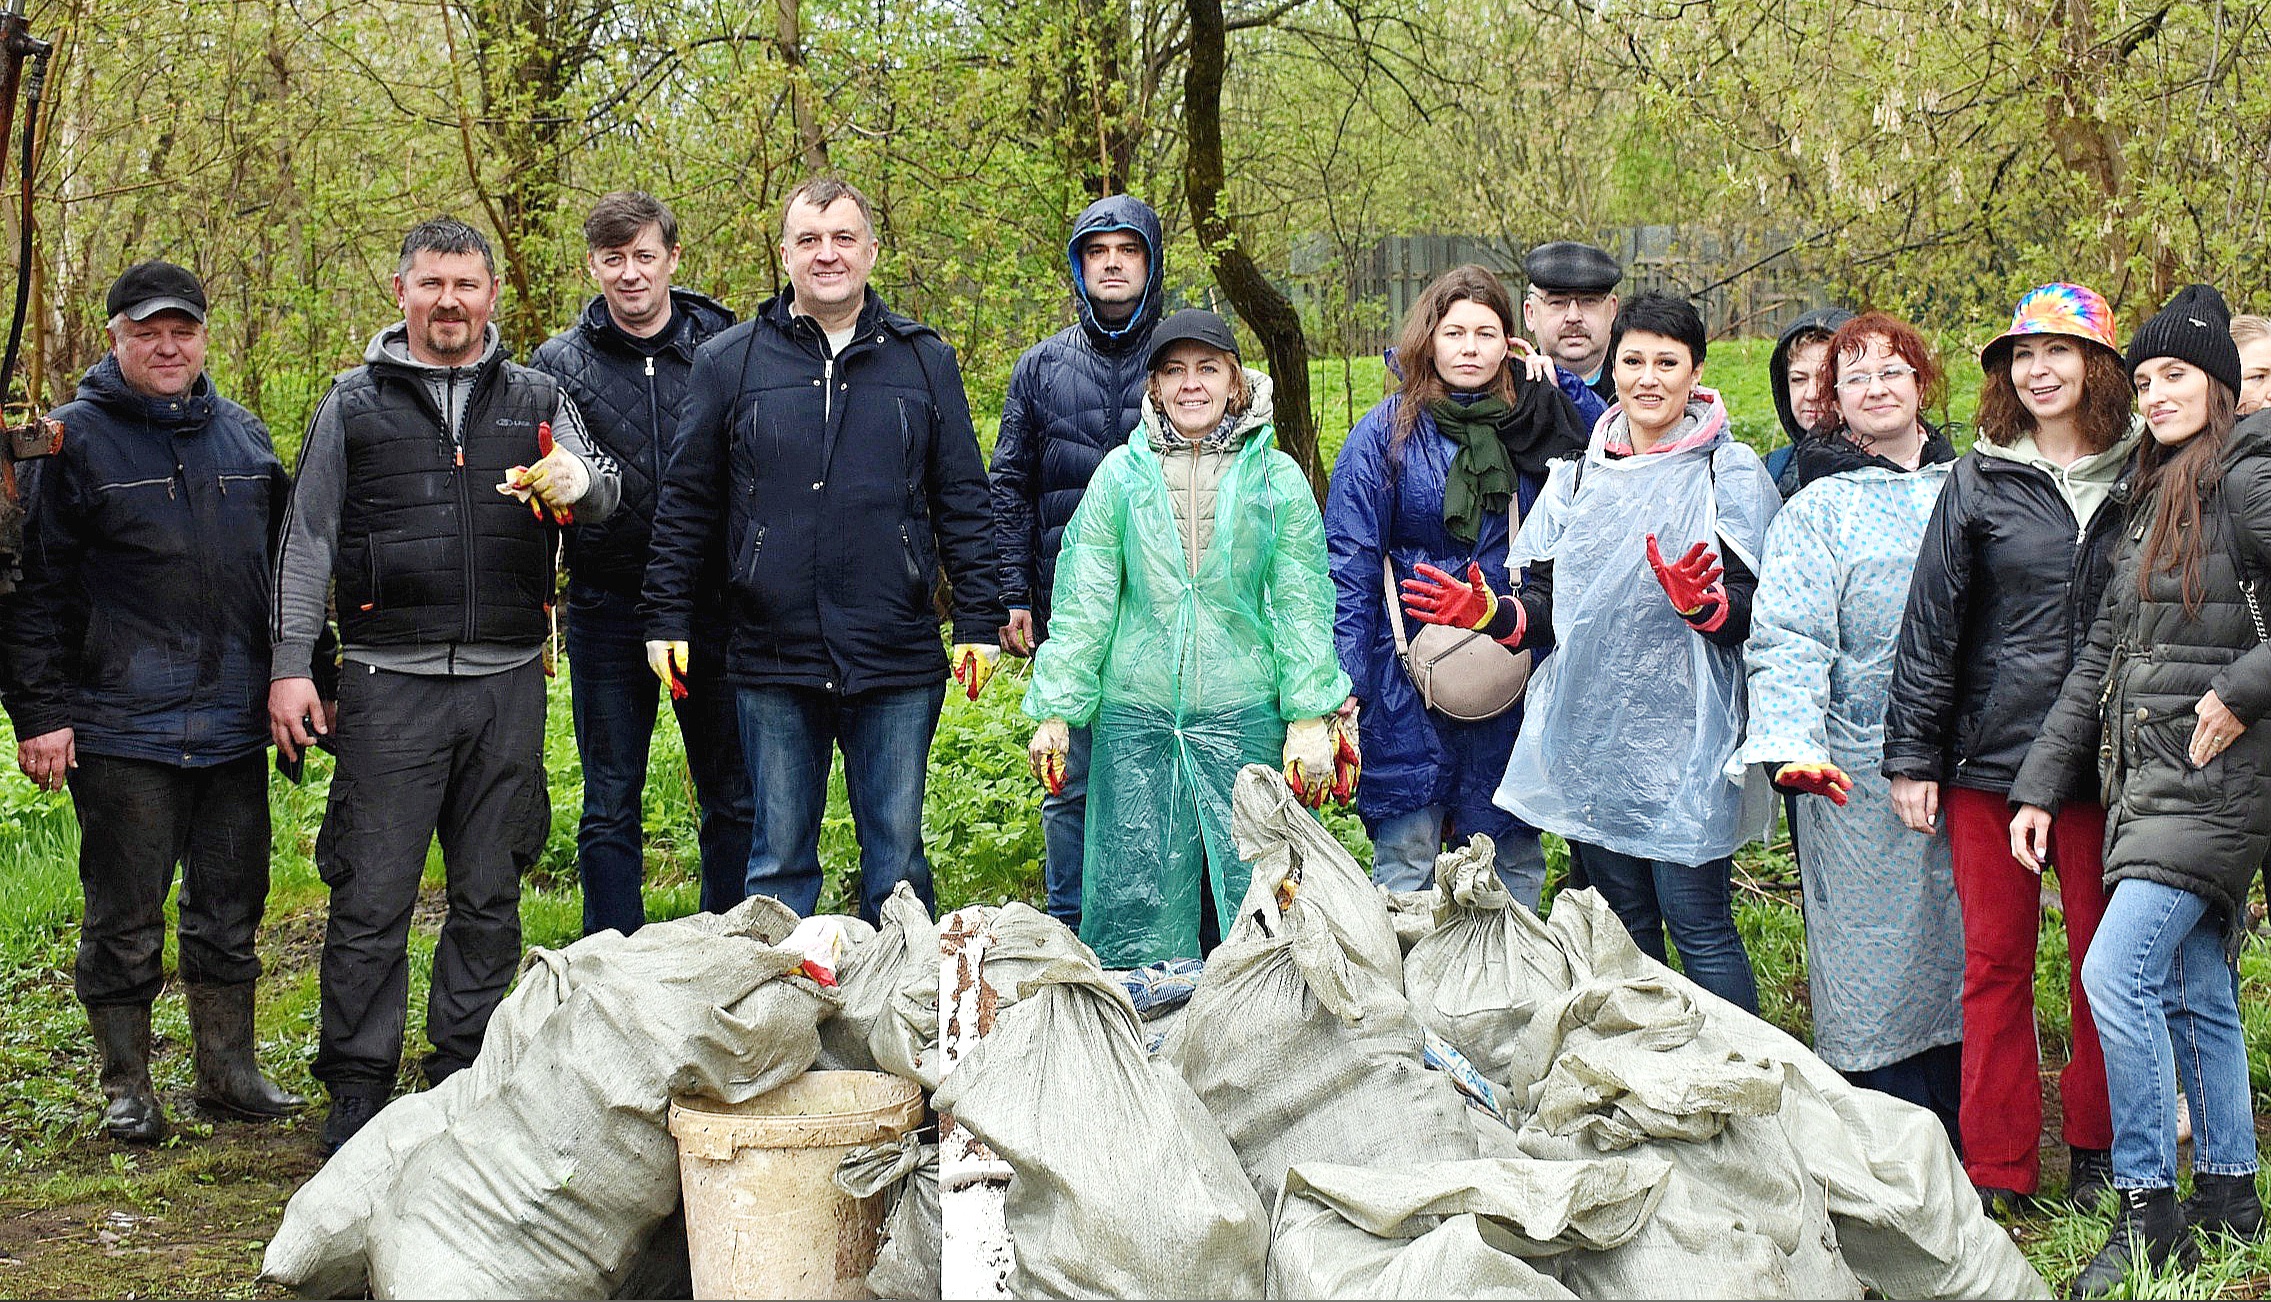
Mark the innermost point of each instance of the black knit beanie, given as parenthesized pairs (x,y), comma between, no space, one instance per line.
(2195,327)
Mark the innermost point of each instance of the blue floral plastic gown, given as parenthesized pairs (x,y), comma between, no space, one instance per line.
(1884,934)
(1182,680)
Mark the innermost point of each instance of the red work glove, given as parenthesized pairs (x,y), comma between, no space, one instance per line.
(1692,583)
(1348,761)
(1437,598)
(1814,778)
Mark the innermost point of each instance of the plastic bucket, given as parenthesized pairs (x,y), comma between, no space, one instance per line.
(764,1218)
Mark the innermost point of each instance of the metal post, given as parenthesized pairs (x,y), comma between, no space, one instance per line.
(973,1184)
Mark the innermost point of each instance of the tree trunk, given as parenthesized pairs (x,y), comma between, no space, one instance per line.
(1265,311)
(788,33)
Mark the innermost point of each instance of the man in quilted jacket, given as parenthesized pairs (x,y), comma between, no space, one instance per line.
(1073,397)
(625,362)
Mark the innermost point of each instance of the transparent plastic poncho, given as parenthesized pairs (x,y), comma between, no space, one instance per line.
(1631,721)
(1182,678)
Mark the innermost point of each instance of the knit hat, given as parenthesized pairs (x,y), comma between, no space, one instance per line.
(2195,327)
(2076,311)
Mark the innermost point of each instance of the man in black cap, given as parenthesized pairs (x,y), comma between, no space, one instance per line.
(138,646)
(1569,308)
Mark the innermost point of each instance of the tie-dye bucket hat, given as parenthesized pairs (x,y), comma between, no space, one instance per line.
(2076,311)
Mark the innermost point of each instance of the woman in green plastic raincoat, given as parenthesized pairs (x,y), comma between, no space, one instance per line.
(1192,633)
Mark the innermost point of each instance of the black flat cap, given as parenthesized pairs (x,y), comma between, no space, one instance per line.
(148,288)
(1191,325)
(1567,267)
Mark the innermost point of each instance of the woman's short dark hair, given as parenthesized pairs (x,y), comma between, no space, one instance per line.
(1660,314)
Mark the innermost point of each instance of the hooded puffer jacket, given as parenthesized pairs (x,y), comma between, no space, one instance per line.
(2006,585)
(2128,704)
(1780,463)
(629,393)
(1072,398)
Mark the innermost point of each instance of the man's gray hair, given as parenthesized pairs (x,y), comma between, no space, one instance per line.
(444,235)
(821,191)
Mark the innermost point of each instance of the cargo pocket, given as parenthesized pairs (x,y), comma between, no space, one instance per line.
(338,815)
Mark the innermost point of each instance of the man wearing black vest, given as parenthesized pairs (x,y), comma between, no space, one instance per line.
(625,362)
(428,490)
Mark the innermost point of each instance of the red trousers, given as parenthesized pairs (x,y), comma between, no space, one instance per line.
(2002,920)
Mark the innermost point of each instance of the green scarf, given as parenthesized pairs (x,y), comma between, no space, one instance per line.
(1482,473)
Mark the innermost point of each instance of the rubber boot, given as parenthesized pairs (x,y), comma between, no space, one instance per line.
(2089,1176)
(132,1114)
(2148,1229)
(2225,1204)
(228,1077)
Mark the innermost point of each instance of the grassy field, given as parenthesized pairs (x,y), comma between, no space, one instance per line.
(82,1217)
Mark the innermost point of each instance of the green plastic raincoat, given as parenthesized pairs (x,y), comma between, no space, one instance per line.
(1182,672)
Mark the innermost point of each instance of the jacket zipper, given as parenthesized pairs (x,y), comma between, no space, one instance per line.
(827,389)
(654,431)
(465,540)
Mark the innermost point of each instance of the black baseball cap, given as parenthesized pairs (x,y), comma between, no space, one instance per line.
(148,288)
(1191,325)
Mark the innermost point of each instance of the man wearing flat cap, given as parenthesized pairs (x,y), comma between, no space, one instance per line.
(1572,301)
(138,645)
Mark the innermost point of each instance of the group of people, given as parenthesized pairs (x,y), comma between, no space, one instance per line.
(1548,591)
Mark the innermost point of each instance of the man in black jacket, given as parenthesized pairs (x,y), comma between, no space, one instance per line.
(827,446)
(138,642)
(625,363)
(428,489)
(1073,397)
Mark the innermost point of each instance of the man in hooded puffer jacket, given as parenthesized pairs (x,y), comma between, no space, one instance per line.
(1073,397)
(625,362)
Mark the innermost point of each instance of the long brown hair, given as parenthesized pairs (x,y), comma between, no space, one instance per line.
(2183,481)
(2109,399)
(1415,345)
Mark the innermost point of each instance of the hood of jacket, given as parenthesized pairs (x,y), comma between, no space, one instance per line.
(1778,366)
(1703,425)
(1119,212)
(1820,458)
(704,314)
(1155,431)
(2096,466)
(105,385)
(391,347)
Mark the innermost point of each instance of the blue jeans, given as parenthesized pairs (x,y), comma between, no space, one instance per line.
(791,734)
(1694,902)
(2156,973)
(1404,850)
(1064,822)
(616,699)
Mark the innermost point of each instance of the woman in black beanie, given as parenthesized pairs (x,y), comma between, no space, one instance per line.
(2167,698)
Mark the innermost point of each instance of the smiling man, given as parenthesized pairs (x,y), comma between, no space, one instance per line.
(443,583)
(139,649)
(826,449)
(626,362)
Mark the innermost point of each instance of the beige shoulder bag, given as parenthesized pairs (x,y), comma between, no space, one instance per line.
(1461,673)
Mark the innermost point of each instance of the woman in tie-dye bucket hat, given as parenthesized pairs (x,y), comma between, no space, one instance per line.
(2012,566)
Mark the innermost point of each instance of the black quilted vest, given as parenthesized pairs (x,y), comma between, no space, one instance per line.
(429,550)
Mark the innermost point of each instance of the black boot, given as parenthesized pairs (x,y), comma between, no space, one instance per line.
(228,1078)
(352,1108)
(2225,1204)
(123,1033)
(2148,1229)
(2089,1176)
(2001,1204)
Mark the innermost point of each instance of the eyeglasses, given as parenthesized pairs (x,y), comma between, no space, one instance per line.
(1862,381)
(1564,302)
